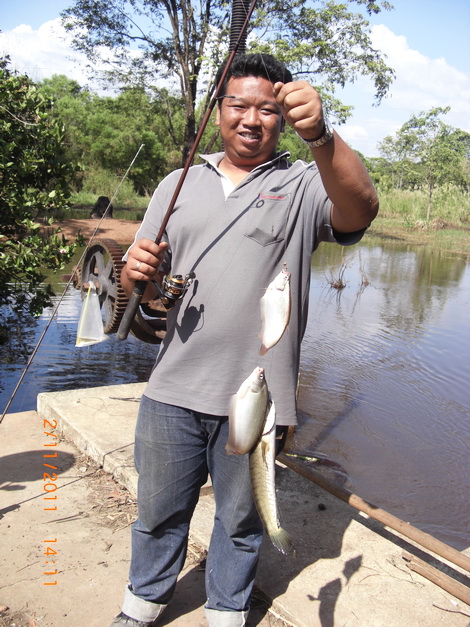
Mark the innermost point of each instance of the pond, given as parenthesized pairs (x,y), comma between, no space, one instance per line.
(384,401)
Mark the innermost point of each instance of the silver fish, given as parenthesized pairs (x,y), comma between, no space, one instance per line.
(275,310)
(247,413)
(262,473)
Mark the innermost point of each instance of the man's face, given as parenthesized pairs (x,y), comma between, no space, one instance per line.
(250,121)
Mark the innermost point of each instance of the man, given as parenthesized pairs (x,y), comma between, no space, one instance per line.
(238,218)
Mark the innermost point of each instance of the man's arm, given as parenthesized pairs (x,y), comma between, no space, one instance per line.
(346,180)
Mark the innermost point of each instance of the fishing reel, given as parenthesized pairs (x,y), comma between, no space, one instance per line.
(173,288)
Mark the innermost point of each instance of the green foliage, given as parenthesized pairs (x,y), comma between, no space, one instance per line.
(326,41)
(141,41)
(425,154)
(34,179)
(297,148)
(104,133)
(34,174)
(22,263)
(100,182)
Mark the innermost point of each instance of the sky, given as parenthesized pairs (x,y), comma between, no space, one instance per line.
(425,42)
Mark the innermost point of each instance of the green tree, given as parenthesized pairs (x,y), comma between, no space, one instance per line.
(34,178)
(104,133)
(118,126)
(72,105)
(397,152)
(138,41)
(428,153)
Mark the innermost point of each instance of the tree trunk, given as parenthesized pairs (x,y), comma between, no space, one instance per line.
(189,137)
(190,129)
(428,213)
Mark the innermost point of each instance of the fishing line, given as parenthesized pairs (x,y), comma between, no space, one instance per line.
(59,302)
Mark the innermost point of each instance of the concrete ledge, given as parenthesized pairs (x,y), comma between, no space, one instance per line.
(100,422)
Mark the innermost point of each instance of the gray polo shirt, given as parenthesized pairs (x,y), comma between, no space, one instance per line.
(236,244)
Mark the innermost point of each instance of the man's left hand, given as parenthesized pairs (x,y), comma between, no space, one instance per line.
(301,107)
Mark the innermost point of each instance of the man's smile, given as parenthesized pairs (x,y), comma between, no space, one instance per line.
(250,121)
(250,135)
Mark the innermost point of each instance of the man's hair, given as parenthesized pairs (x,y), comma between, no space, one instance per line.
(257,65)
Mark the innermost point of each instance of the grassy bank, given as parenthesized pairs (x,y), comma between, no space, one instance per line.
(449,205)
(455,240)
(82,212)
(402,217)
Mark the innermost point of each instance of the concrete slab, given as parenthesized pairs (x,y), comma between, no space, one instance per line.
(100,422)
(348,569)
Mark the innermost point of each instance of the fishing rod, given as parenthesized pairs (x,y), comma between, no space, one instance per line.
(176,284)
(59,302)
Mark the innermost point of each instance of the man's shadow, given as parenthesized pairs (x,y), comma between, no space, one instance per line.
(18,469)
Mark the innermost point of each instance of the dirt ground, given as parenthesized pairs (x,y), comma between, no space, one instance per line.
(87,538)
(122,231)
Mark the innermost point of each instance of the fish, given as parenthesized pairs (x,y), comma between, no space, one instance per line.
(275,310)
(247,413)
(262,474)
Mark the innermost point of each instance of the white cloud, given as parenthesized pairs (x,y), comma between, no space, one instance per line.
(43,52)
(352,133)
(48,50)
(420,84)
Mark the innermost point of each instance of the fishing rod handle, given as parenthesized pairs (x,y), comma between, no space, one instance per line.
(131,309)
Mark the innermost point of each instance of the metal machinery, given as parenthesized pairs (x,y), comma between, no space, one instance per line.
(102,264)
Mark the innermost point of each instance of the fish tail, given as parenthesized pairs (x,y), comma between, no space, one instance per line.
(281,540)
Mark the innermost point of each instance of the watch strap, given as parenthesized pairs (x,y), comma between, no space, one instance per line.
(325,137)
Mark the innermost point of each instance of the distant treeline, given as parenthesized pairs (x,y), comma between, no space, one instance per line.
(103,134)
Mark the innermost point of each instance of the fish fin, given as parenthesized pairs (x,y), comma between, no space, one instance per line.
(263,350)
(282,541)
(270,422)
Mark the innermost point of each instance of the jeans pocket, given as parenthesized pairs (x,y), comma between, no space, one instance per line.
(268,219)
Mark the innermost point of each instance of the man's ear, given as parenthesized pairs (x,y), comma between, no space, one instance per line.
(217,115)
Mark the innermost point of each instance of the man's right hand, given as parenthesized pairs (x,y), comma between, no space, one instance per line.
(143,262)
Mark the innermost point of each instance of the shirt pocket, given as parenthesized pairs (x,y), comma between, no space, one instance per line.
(267,219)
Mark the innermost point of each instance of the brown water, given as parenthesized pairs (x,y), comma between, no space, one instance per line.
(384,386)
(385,382)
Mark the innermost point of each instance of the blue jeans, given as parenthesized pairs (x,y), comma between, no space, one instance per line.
(175,449)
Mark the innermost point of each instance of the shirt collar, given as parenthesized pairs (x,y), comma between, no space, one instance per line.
(215,158)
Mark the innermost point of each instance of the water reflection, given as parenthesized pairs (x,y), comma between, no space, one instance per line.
(383,396)
(59,365)
(383,387)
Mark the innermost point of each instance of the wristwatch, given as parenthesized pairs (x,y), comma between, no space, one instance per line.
(325,137)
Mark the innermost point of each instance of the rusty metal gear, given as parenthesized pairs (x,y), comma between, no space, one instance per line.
(102,265)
